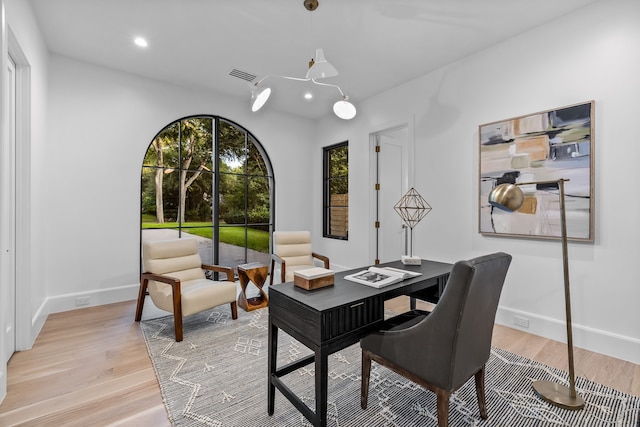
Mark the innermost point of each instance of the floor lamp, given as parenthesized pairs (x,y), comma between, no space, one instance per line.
(509,197)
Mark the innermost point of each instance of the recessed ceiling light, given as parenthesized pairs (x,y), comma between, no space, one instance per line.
(140,41)
(308,96)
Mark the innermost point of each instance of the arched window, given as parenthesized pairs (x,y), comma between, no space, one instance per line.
(228,208)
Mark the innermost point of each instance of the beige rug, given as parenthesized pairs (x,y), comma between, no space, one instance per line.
(217,376)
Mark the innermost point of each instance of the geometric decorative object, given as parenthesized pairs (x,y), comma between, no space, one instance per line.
(412,207)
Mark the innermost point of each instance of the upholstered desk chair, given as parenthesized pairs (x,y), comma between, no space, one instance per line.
(174,276)
(443,349)
(292,251)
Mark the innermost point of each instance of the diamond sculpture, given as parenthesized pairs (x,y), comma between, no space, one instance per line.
(412,208)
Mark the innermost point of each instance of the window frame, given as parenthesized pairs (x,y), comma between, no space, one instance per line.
(249,139)
(326,190)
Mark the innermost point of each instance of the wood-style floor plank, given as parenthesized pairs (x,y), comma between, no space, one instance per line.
(91,367)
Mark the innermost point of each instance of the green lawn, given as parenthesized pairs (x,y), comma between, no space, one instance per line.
(257,240)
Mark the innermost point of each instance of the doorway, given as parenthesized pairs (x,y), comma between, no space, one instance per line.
(8,229)
(392,168)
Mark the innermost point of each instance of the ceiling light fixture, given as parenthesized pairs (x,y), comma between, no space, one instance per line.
(141,42)
(319,68)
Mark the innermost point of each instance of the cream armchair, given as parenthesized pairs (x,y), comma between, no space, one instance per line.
(292,251)
(174,277)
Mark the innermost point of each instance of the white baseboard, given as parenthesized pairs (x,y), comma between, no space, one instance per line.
(68,302)
(77,300)
(615,345)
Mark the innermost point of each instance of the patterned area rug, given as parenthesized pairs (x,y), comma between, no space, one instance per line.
(217,376)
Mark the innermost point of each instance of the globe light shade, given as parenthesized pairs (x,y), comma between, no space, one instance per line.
(507,197)
(344,109)
(259,97)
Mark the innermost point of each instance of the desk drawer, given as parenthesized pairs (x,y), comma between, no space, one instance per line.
(348,318)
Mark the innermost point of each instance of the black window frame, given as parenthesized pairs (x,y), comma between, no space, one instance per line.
(326,190)
(216,173)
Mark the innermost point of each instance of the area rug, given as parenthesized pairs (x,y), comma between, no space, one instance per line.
(217,377)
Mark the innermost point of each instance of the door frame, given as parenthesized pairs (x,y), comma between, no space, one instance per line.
(23,326)
(407,180)
(22,184)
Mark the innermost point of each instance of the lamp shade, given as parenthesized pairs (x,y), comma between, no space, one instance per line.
(321,68)
(259,97)
(344,109)
(508,197)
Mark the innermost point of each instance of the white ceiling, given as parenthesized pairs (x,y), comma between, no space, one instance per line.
(374,44)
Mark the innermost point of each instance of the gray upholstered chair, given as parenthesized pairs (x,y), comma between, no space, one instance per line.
(292,251)
(443,349)
(175,279)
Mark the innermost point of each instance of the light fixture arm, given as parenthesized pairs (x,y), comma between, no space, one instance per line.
(299,79)
(330,85)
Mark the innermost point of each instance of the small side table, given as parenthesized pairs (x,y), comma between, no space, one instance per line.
(255,273)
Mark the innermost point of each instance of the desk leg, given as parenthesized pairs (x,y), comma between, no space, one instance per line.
(412,303)
(322,382)
(273,357)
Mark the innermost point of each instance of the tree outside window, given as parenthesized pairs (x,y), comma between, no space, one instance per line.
(336,191)
(226,208)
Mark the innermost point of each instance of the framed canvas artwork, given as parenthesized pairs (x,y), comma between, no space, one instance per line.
(544,146)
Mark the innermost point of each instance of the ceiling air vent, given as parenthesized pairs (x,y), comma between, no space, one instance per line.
(242,75)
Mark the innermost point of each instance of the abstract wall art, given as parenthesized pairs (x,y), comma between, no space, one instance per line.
(544,146)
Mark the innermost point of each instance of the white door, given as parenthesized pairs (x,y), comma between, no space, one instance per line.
(8,219)
(392,174)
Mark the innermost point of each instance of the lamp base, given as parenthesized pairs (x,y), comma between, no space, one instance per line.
(558,395)
(411,260)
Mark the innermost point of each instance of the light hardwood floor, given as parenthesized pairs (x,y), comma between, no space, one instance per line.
(90,367)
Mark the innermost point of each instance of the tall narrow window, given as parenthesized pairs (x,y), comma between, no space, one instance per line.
(207,178)
(336,191)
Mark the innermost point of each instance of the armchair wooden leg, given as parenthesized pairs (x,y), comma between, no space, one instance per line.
(443,408)
(177,320)
(141,296)
(271,273)
(177,313)
(482,402)
(364,385)
(234,310)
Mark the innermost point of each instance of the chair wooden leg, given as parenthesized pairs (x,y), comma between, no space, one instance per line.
(482,402)
(364,385)
(443,408)
(234,310)
(141,297)
(273,270)
(177,312)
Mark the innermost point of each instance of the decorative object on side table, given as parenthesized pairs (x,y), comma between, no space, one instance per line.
(313,278)
(412,208)
(255,273)
(509,197)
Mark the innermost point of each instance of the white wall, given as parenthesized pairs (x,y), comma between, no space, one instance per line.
(590,55)
(101,123)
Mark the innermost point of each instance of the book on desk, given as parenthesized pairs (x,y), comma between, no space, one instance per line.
(379,277)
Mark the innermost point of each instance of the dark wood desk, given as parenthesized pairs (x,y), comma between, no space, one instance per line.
(329,319)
